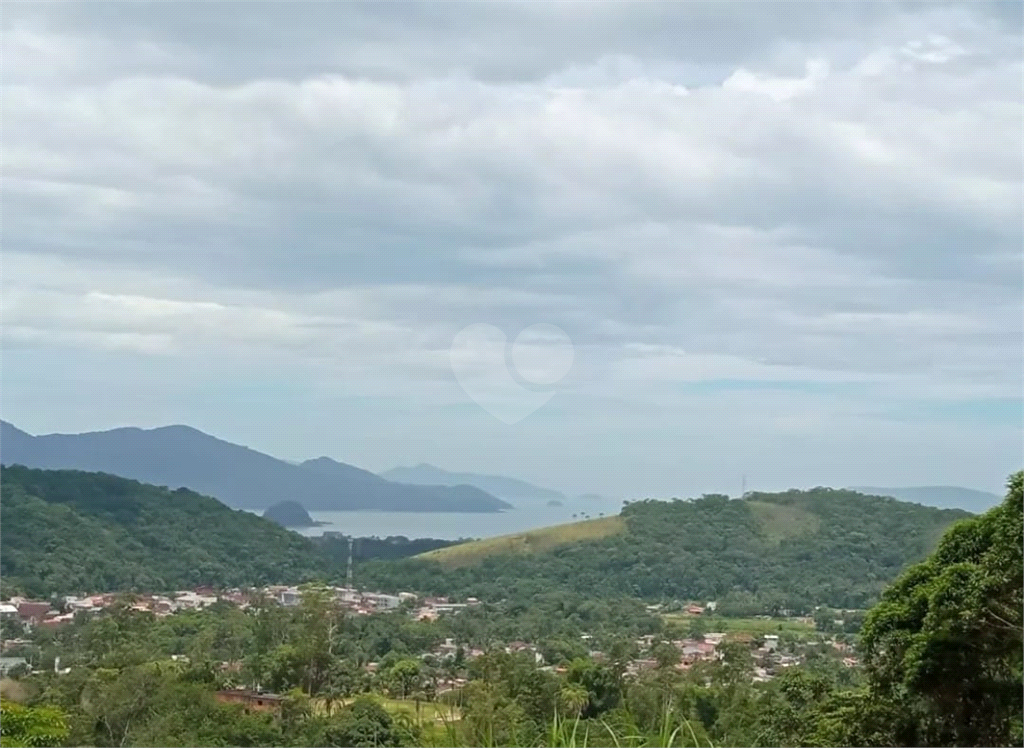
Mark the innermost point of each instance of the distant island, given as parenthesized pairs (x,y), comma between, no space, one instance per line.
(291,514)
(555,502)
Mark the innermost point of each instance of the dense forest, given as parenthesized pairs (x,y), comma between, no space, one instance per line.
(74,532)
(71,532)
(941,663)
(769,552)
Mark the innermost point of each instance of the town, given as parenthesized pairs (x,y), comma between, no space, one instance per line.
(770,652)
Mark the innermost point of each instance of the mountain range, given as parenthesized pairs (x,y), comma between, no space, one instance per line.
(242,478)
(509,489)
(943,497)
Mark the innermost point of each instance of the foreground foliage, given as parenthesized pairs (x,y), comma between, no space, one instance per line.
(945,644)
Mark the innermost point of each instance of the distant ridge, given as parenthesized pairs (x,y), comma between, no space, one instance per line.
(181,456)
(510,489)
(943,497)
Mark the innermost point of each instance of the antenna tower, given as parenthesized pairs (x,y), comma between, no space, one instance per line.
(348,574)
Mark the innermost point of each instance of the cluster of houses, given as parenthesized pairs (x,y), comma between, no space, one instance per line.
(769,658)
(691,651)
(50,614)
(364,603)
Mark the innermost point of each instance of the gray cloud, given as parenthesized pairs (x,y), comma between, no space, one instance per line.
(823,193)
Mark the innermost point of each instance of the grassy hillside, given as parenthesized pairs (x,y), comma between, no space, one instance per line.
(65,531)
(525,543)
(792,550)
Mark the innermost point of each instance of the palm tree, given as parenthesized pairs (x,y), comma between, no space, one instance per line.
(573,699)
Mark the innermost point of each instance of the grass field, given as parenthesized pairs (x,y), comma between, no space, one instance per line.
(430,712)
(780,522)
(532,541)
(752,626)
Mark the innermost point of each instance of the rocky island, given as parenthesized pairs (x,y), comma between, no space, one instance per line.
(290,514)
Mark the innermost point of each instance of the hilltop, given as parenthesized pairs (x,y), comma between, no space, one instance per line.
(795,549)
(66,531)
(181,456)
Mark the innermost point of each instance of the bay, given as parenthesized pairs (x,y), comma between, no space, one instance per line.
(453,526)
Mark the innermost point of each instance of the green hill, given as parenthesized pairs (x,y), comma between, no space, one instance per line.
(65,531)
(794,550)
(525,543)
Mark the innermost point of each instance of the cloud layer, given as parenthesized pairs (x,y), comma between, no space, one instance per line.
(796,218)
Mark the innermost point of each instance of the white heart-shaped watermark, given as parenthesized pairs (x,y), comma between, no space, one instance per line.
(511,382)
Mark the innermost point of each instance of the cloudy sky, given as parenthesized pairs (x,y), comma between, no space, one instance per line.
(784,239)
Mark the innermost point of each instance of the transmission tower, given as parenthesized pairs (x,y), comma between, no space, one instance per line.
(348,574)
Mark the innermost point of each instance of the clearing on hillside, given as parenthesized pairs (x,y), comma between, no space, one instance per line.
(780,521)
(532,541)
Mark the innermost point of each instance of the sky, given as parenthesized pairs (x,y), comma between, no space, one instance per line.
(639,249)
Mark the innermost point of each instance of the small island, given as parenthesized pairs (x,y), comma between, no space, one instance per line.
(555,502)
(290,514)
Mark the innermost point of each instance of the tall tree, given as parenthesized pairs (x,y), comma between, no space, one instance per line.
(945,642)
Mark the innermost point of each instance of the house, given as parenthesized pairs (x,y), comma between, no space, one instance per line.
(188,599)
(252,701)
(55,621)
(695,610)
(9,663)
(387,602)
(771,642)
(33,612)
(6,609)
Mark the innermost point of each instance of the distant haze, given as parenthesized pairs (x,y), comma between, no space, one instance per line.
(944,497)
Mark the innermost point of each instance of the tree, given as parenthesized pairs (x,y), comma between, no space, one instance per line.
(698,627)
(601,683)
(365,723)
(945,643)
(404,676)
(573,699)
(666,654)
(31,726)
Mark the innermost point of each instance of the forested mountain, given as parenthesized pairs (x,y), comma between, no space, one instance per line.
(73,532)
(943,497)
(510,489)
(180,456)
(790,550)
(68,531)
